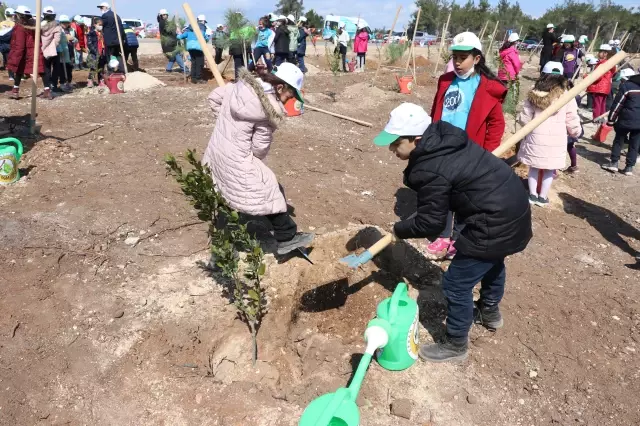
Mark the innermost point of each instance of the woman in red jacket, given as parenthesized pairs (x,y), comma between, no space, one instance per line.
(470,97)
(20,59)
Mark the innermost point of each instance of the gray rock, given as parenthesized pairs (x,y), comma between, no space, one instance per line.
(402,408)
(472,399)
(132,241)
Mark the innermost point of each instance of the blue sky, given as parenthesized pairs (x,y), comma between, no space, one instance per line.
(377,13)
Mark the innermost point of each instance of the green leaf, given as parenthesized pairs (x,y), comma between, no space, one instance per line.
(262,269)
(253,294)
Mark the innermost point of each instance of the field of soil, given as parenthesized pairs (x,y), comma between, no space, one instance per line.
(110,316)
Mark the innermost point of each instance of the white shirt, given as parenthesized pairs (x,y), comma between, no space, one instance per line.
(344,38)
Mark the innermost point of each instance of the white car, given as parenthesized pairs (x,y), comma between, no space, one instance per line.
(136,25)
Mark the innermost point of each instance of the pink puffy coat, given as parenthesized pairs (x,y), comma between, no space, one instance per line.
(546,147)
(512,64)
(50,37)
(247,113)
(361,42)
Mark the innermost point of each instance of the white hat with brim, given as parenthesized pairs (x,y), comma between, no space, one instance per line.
(113,64)
(49,10)
(616,42)
(465,42)
(291,18)
(64,19)
(611,42)
(407,119)
(23,10)
(605,47)
(513,37)
(291,75)
(282,18)
(549,26)
(163,12)
(303,19)
(9,12)
(592,61)
(626,73)
(104,4)
(202,18)
(552,67)
(568,39)
(583,39)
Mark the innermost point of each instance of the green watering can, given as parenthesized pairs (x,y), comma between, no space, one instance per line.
(394,335)
(10,153)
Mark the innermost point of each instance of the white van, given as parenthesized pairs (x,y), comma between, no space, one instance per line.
(331,23)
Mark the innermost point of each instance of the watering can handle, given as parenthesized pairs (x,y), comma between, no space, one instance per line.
(14,141)
(397,79)
(331,409)
(400,291)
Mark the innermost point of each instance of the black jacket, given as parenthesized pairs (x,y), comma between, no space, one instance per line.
(281,40)
(546,54)
(625,111)
(110,30)
(168,35)
(449,172)
(302,42)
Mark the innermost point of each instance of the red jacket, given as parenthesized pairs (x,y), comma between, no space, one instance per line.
(603,84)
(82,41)
(20,59)
(485,125)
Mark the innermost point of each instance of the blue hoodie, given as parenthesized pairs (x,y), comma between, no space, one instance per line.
(192,40)
(263,37)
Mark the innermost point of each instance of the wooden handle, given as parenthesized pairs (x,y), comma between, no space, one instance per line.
(36,66)
(115,14)
(559,103)
(363,123)
(381,244)
(203,43)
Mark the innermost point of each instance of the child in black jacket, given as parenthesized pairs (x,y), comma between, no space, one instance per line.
(449,172)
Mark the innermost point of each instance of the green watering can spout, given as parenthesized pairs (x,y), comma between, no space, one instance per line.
(11,151)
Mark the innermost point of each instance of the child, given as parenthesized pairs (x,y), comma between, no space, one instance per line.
(360,46)
(281,41)
(80,46)
(471,99)
(65,50)
(510,60)
(625,117)
(294,32)
(247,113)
(544,149)
(21,56)
(131,47)
(219,42)
(569,55)
(342,42)
(451,173)
(6,29)
(601,87)
(262,44)
(50,33)
(195,50)
(303,33)
(96,59)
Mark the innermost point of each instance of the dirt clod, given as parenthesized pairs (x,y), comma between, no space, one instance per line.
(472,399)
(402,408)
(118,314)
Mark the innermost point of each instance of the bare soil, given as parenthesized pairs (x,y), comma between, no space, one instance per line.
(97,331)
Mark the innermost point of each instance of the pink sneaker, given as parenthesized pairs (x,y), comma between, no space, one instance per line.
(90,83)
(437,250)
(451,252)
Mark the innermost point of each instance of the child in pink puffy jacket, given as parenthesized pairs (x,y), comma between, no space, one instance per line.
(510,59)
(247,113)
(360,45)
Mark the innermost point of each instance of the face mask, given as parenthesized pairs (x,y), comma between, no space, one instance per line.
(467,74)
(98,27)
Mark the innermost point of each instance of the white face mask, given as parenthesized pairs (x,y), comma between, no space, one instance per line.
(466,75)
(99,27)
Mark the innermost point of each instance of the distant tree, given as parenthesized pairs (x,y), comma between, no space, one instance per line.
(234,20)
(313,19)
(290,7)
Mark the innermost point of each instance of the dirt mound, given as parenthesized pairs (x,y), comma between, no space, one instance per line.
(137,81)
(364,90)
(421,61)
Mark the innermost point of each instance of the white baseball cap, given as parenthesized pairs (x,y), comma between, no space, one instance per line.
(611,42)
(605,47)
(466,41)
(202,18)
(291,75)
(23,10)
(64,19)
(163,12)
(626,73)
(583,39)
(104,4)
(282,18)
(303,19)
(9,12)
(616,42)
(291,18)
(568,39)
(49,10)
(592,61)
(219,25)
(113,64)
(552,67)
(405,120)
(513,37)
(549,26)
(79,19)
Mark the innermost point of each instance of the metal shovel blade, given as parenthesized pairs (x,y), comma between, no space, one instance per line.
(354,261)
(304,253)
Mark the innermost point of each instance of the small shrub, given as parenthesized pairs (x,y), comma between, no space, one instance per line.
(395,51)
(333,59)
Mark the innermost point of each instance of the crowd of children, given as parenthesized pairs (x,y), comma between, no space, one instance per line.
(64,42)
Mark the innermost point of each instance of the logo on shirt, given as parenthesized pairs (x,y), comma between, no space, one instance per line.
(453,99)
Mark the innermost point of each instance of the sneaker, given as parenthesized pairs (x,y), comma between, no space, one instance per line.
(168,70)
(57,90)
(628,171)
(300,240)
(202,81)
(533,199)
(487,316)
(102,84)
(611,166)
(66,88)
(90,84)
(447,351)
(572,169)
(451,251)
(46,94)
(438,249)
(542,202)
(12,79)
(15,93)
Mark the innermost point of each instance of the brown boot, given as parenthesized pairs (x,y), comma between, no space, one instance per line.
(15,93)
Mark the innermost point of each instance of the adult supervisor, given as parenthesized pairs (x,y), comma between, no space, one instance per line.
(549,38)
(110,33)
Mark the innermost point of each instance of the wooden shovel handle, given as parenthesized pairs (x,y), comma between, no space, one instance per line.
(381,244)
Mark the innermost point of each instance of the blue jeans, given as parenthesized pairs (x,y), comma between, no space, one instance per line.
(458,283)
(78,58)
(301,64)
(453,228)
(280,58)
(176,59)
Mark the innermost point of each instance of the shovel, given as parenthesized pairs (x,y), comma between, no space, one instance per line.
(353,261)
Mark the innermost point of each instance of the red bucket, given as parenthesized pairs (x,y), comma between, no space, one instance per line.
(602,133)
(293,107)
(405,83)
(115,83)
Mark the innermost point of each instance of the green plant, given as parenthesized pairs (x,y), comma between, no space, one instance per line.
(395,52)
(333,59)
(238,255)
(510,104)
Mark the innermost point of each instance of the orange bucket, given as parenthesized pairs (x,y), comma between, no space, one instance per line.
(293,107)
(405,83)
(602,133)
